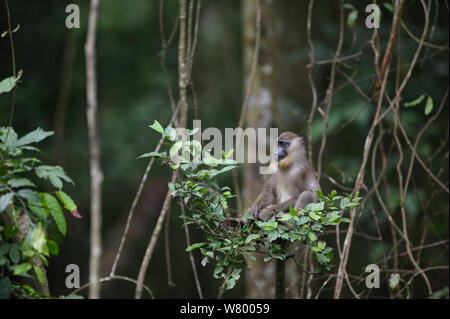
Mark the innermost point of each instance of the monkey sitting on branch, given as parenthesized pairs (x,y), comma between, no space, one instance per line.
(293,184)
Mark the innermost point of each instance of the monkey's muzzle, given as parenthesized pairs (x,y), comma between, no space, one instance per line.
(280,154)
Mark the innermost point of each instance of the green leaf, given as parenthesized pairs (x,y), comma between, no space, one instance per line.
(209,160)
(193,131)
(322,258)
(9,83)
(51,204)
(33,137)
(230,153)
(73,297)
(251,237)
(314,206)
(4,201)
(351,18)
(314,216)
(416,101)
(204,261)
(170,133)
(39,274)
(344,202)
(67,201)
(217,271)
(194,246)
(4,247)
(349,6)
(269,225)
(14,253)
(174,166)
(16,28)
(321,244)
(22,268)
(312,236)
(292,211)
(394,280)
(303,220)
(28,194)
(55,174)
(5,288)
(207,253)
(157,127)
(272,235)
(151,154)
(286,217)
(53,247)
(27,246)
(231,283)
(38,210)
(175,148)
(226,169)
(266,259)
(389,6)
(20,182)
(9,138)
(39,240)
(429,106)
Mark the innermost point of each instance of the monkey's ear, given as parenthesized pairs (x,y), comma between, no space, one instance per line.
(302,141)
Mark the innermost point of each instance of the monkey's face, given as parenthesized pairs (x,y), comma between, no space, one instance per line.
(289,149)
(282,150)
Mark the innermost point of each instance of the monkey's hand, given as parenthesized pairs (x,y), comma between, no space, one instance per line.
(233,221)
(267,212)
(253,211)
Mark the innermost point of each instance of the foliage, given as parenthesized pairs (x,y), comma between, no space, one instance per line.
(127,50)
(229,247)
(9,83)
(31,221)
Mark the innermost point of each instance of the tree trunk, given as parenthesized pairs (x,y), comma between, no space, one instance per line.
(280,280)
(260,113)
(94,153)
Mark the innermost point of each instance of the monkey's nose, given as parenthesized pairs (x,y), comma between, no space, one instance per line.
(281,156)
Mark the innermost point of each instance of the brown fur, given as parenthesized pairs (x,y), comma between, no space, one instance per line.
(294,183)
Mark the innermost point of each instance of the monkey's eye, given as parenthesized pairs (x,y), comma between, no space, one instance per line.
(282,144)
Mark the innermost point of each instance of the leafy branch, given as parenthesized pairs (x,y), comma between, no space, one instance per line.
(206,202)
(31,221)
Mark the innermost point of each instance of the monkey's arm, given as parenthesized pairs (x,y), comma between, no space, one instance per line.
(311,185)
(311,182)
(264,199)
(266,213)
(309,195)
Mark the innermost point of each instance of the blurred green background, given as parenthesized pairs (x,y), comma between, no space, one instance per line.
(132,94)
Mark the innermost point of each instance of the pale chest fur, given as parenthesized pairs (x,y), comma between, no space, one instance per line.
(287,186)
(284,193)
